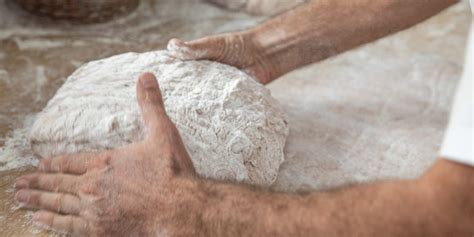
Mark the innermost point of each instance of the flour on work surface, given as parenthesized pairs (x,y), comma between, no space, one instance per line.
(231,125)
(16,152)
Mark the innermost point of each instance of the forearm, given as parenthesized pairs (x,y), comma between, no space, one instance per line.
(374,210)
(399,208)
(322,28)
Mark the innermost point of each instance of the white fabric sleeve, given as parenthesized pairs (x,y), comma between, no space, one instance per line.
(457,145)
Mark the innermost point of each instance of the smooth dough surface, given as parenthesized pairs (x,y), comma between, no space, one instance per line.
(231,125)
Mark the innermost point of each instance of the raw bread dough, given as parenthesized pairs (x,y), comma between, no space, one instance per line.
(230,124)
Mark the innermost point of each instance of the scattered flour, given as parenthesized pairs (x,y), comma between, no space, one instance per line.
(16,152)
(230,124)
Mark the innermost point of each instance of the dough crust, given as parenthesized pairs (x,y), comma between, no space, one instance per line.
(231,125)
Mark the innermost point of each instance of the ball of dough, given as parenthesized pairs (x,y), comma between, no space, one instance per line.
(231,126)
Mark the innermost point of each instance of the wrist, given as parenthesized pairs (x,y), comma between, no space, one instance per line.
(266,61)
(179,215)
(241,210)
(232,209)
(287,45)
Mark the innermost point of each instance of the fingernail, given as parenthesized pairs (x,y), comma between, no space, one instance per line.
(21,183)
(21,197)
(148,80)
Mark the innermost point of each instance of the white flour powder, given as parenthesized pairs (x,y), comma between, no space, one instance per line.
(230,124)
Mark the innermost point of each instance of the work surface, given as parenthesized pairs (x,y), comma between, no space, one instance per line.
(376,112)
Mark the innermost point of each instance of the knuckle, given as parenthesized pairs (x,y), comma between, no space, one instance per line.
(100,160)
(88,214)
(46,218)
(44,164)
(56,163)
(33,180)
(89,188)
(58,202)
(71,185)
(65,164)
(56,183)
(93,187)
(105,158)
(35,198)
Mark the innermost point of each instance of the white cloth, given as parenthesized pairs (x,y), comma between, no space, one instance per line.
(458,143)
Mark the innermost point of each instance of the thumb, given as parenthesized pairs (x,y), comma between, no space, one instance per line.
(151,103)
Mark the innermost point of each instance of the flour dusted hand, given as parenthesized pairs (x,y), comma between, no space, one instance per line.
(236,49)
(230,124)
(141,189)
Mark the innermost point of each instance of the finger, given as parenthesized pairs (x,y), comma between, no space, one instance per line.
(49,182)
(72,164)
(211,48)
(65,224)
(57,202)
(151,104)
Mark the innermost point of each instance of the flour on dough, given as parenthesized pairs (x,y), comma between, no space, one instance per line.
(231,125)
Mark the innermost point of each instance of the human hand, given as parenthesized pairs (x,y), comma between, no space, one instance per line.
(236,49)
(143,189)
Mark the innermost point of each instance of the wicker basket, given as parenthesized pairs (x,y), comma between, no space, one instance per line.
(79,10)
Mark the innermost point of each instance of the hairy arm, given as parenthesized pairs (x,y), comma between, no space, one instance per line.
(437,204)
(309,33)
(324,28)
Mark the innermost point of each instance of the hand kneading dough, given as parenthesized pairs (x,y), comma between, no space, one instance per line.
(230,124)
